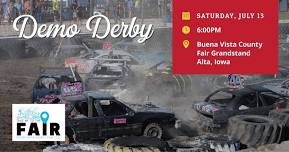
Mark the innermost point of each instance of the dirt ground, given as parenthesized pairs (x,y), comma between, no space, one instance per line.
(16,82)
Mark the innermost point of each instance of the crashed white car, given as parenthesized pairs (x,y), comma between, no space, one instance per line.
(85,63)
(279,86)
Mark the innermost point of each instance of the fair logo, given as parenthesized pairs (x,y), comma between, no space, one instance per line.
(38,122)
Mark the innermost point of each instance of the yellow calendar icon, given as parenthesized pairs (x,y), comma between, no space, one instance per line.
(186,16)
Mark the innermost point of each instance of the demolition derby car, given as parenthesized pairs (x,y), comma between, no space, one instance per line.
(56,81)
(109,77)
(224,103)
(237,81)
(86,62)
(279,86)
(98,115)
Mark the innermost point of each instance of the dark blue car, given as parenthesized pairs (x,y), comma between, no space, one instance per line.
(56,81)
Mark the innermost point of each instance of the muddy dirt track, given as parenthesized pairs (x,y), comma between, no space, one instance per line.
(16,82)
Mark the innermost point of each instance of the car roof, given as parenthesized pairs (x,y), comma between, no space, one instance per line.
(94,94)
(55,71)
(246,90)
(258,88)
(98,95)
(75,98)
(117,65)
(116,52)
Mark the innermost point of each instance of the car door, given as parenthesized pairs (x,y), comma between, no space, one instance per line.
(86,124)
(118,119)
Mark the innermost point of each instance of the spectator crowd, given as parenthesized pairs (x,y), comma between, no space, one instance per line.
(49,10)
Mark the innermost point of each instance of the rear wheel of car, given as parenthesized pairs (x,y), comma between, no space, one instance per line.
(153,130)
(282,116)
(135,144)
(207,142)
(254,130)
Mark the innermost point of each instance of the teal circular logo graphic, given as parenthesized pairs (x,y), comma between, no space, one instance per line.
(44,117)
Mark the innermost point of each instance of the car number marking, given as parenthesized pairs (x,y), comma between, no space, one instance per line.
(119,121)
(71,88)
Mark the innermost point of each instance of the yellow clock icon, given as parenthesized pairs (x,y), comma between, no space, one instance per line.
(186,29)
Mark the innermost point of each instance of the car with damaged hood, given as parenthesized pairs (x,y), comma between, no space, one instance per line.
(86,62)
(112,78)
(220,81)
(139,61)
(56,81)
(236,80)
(99,115)
(280,86)
(160,78)
(224,103)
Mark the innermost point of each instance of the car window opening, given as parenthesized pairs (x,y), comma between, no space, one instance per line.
(80,110)
(107,71)
(113,109)
(270,98)
(249,101)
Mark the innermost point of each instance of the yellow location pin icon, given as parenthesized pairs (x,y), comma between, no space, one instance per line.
(186,43)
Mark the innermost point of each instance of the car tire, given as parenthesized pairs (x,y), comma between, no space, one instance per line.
(153,130)
(207,142)
(282,116)
(133,143)
(254,130)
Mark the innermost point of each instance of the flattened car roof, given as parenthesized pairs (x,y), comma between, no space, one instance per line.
(83,97)
(260,88)
(55,71)
(247,89)
(76,98)
(116,52)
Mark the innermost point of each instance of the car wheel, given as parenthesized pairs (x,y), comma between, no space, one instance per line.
(254,130)
(133,143)
(153,130)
